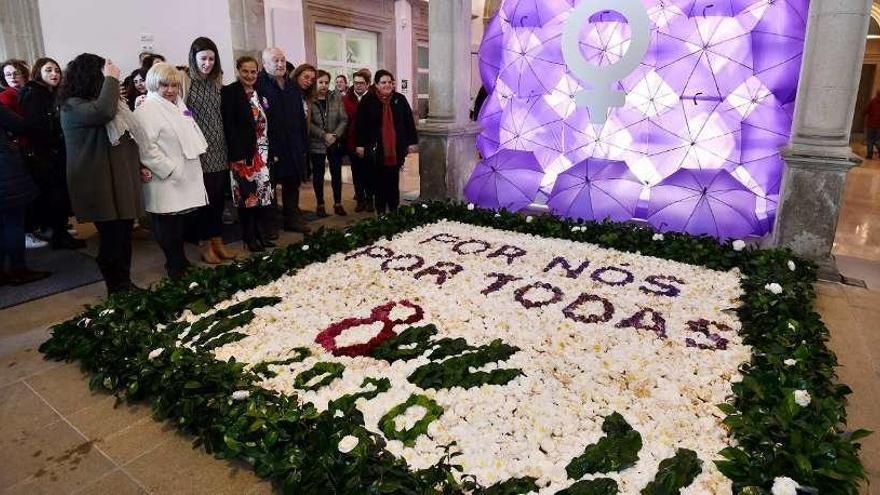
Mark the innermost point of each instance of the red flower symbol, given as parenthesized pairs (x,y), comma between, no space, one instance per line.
(327,337)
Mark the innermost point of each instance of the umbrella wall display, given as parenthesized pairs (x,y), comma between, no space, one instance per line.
(714,94)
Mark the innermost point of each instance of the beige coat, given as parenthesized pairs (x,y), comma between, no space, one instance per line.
(177,183)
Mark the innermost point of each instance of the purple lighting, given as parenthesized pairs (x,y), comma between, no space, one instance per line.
(713,97)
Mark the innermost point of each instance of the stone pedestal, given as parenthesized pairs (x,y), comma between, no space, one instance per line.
(810,201)
(448,139)
(447,156)
(818,156)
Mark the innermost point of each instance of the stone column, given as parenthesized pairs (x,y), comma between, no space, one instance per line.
(404,43)
(818,156)
(447,140)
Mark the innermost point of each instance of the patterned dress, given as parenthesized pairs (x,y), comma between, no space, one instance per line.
(203,99)
(250,181)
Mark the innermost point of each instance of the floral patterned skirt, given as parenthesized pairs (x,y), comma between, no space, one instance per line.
(251,185)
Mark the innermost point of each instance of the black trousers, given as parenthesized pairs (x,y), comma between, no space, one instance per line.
(114,253)
(290,197)
(253,223)
(12,238)
(318,168)
(169,231)
(210,216)
(386,184)
(360,175)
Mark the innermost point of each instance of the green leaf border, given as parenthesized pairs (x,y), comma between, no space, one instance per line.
(291,443)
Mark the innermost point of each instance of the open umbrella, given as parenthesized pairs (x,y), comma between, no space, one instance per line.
(695,135)
(490,118)
(704,56)
(490,52)
(524,122)
(699,202)
(596,189)
(778,45)
(531,62)
(508,179)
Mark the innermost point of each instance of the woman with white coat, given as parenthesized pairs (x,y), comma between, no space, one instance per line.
(170,143)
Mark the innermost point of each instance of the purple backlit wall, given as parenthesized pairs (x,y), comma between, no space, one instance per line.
(695,146)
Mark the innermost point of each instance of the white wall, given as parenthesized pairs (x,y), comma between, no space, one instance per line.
(285,28)
(113,28)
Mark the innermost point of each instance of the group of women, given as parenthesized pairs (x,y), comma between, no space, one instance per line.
(188,143)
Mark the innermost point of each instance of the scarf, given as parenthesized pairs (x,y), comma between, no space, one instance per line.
(123,122)
(389,137)
(192,141)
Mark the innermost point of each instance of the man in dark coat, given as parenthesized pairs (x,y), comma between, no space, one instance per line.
(288,146)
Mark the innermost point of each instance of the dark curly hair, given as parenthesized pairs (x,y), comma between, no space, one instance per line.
(83,78)
(201,44)
(20,66)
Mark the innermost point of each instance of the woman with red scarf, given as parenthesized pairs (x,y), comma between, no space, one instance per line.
(386,133)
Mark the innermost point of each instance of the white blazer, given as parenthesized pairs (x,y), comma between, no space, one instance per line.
(164,140)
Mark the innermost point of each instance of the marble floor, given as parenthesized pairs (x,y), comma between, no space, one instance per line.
(57,437)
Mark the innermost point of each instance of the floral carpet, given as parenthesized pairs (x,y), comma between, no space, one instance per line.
(447,349)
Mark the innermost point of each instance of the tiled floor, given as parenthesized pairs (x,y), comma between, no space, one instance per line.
(57,437)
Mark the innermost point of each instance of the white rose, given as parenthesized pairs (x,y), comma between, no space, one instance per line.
(657,237)
(575,228)
(791,326)
(471,206)
(739,245)
(193,285)
(107,312)
(305,247)
(784,486)
(791,265)
(774,288)
(348,443)
(424,206)
(790,362)
(240,394)
(802,398)
(155,353)
(529,219)
(498,215)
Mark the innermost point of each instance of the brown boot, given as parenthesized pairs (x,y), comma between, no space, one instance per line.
(208,254)
(220,249)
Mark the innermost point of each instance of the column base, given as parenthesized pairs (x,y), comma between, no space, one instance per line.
(447,157)
(810,200)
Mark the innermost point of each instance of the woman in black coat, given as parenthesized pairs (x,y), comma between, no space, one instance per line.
(247,148)
(16,191)
(45,154)
(386,133)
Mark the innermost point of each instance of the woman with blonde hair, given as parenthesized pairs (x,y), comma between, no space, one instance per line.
(170,143)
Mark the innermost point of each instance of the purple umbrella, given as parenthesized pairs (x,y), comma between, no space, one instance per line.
(695,135)
(531,64)
(532,13)
(703,202)
(490,118)
(491,50)
(704,8)
(704,57)
(509,179)
(596,189)
(778,31)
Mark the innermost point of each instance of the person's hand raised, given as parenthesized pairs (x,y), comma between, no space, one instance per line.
(110,69)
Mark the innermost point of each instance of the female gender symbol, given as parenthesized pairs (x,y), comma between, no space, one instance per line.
(599,99)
